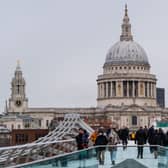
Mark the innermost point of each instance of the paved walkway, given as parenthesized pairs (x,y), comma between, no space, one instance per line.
(131,153)
(122,155)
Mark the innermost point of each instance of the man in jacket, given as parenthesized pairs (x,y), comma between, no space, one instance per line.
(151,133)
(80,139)
(140,139)
(124,134)
(101,140)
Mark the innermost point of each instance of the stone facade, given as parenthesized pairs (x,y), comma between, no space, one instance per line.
(126,90)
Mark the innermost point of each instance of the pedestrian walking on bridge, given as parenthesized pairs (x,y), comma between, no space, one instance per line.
(140,140)
(101,141)
(113,140)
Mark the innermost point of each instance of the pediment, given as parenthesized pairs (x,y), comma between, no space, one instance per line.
(133,107)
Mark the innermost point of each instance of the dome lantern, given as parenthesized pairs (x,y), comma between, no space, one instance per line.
(126,28)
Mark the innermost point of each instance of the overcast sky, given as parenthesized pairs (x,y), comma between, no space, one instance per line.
(62,45)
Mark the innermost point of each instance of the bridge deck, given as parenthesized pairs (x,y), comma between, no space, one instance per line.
(88,160)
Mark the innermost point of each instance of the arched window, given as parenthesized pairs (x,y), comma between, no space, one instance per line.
(134,120)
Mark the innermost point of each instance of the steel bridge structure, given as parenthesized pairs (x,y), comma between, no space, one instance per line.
(59,141)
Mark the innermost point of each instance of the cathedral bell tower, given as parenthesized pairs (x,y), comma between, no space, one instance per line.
(18,102)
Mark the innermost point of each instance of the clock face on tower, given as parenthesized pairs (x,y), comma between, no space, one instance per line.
(18,103)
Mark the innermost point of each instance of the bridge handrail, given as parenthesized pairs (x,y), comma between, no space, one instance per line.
(36,144)
(70,122)
(87,149)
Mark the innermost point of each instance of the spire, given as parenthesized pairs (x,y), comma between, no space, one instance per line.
(18,66)
(126,27)
(126,10)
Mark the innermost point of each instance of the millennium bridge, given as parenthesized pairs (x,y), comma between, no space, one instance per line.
(58,149)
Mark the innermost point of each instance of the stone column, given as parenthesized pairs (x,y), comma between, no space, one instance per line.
(98,90)
(111,89)
(147,89)
(154,87)
(152,90)
(118,89)
(127,88)
(103,95)
(106,89)
(100,94)
(143,89)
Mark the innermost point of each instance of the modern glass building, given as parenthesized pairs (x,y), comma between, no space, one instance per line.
(160,95)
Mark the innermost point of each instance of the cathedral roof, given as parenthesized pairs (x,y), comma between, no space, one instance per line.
(126,51)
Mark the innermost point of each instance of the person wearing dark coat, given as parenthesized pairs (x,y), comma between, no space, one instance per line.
(155,140)
(161,137)
(101,140)
(80,139)
(151,133)
(85,139)
(140,139)
(124,134)
(166,139)
(158,139)
(146,133)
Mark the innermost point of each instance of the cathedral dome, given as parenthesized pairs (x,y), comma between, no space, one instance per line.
(126,52)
